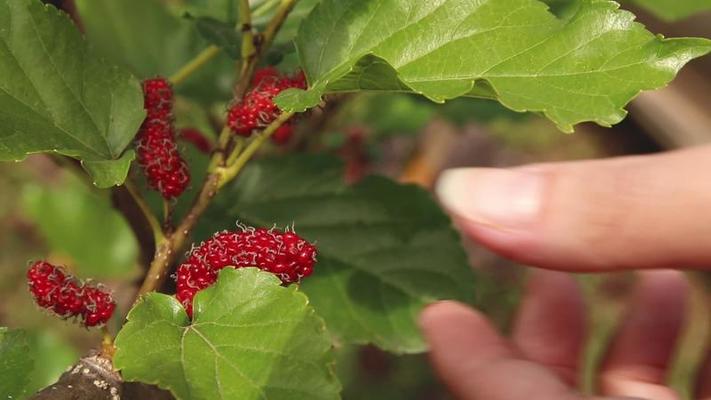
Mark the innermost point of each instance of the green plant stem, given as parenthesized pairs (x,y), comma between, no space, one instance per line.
(236,150)
(107,343)
(167,249)
(249,63)
(245,22)
(233,169)
(147,213)
(218,157)
(277,21)
(167,215)
(264,8)
(195,64)
(249,50)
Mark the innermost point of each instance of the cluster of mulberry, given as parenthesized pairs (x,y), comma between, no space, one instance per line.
(282,253)
(158,154)
(257,109)
(54,289)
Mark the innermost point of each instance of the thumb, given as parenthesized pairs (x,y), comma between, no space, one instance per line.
(632,212)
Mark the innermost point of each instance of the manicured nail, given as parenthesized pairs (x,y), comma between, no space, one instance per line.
(498,198)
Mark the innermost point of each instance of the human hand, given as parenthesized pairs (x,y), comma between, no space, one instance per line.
(628,213)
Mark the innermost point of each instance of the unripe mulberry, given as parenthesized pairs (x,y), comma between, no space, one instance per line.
(56,290)
(257,109)
(284,254)
(158,155)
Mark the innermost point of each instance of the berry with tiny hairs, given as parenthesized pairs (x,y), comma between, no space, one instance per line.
(257,109)
(56,290)
(283,253)
(165,170)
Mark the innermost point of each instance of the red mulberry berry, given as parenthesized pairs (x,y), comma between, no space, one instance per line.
(265,74)
(157,98)
(257,110)
(98,306)
(57,291)
(158,154)
(285,254)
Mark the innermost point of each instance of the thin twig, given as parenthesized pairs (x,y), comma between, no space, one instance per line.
(147,213)
(233,169)
(195,64)
(236,150)
(249,50)
(250,62)
(167,249)
(218,156)
(245,26)
(264,8)
(107,343)
(168,208)
(277,21)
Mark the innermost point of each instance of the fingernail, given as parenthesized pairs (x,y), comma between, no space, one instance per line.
(498,198)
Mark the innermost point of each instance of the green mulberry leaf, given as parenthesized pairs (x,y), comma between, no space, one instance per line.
(585,66)
(16,363)
(250,338)
(56,95)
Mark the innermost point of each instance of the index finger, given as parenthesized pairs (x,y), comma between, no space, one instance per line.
(476,363)
(626,213)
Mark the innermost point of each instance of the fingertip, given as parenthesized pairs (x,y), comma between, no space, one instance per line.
(588,216)
(453,189)
(445,312)
(639,356)
(474,361)
(455,331)
(506,199)
(668,282)
(554,339)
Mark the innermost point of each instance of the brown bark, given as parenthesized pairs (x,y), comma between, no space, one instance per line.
(93,378)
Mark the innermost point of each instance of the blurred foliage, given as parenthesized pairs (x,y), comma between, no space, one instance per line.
(465,110)
(52,355)
(15,365)
(392,114)
(148,39)
(82,227)
(672,10)
(222,10)
(539,138)
(53,344)
(368,373)
(30,361)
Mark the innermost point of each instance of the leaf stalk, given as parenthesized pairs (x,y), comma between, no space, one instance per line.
(145,210)
(195,64)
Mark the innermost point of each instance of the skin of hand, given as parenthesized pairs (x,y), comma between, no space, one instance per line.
(643,213)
